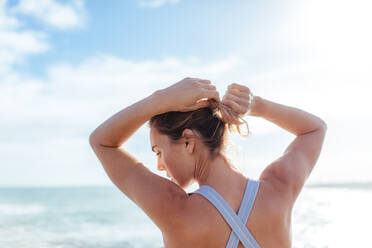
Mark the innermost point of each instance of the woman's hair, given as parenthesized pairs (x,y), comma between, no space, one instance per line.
(211,123)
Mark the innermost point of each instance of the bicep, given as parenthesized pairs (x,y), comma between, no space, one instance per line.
(161,199)
(293,168)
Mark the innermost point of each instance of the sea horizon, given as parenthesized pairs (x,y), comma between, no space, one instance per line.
(338,184)
(102,216)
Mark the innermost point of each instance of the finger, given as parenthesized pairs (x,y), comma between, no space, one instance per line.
(205,81)
(208,86)
(212,94)
(202,104)
(238,93)
(234,106)
(236,99)
(240,87)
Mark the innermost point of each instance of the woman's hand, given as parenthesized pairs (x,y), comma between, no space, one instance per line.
(189,94)
(240,99)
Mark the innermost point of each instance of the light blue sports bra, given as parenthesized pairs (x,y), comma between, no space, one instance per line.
(236,222)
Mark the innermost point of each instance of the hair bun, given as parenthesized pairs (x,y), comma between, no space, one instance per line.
(228,116)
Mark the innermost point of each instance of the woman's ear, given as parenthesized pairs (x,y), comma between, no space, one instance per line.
(188,134)
(190,143)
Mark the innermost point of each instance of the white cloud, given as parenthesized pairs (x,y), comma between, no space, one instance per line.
(70,91)
(53,13)
(16,41)
(23,42)
(73,100)
(156,3)
(6,21)
(54,116)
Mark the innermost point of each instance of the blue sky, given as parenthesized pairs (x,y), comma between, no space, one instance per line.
(67,66)
(207,29)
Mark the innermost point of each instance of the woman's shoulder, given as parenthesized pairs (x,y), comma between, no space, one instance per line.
(269,201)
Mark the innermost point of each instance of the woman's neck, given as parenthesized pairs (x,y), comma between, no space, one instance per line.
(220,173)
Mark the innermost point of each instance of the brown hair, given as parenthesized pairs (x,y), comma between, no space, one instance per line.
(210,122)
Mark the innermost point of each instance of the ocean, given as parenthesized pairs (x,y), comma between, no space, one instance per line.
(334,215)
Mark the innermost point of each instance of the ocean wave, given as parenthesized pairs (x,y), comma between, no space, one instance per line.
(14,209)
(88,235)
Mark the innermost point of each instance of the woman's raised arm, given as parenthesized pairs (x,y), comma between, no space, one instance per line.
(290,171)
(152,193)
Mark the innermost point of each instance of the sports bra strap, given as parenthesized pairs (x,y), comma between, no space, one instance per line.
(235,222)
(244,211)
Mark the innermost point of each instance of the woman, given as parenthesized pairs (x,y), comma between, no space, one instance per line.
(188,124)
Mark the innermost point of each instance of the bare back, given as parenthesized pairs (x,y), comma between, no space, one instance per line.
(268,222)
